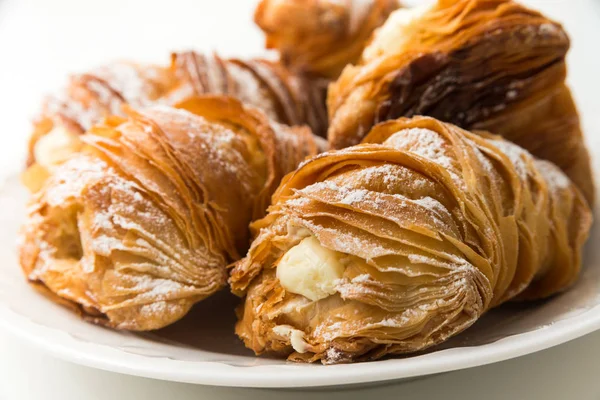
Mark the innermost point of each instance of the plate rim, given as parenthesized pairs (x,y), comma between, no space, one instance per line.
(290,375)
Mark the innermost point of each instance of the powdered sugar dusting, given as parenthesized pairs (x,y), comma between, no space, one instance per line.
(156,289)
(516,154)
(156,308)
(355,196)
(68,182)
(423,142)
(215,142)
(334,356)
(392,176)
(126,78)
(555,178)
(428,144)
(361,278)
(431,204)
(106,89)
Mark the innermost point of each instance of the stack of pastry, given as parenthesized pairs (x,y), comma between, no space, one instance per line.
(458,180)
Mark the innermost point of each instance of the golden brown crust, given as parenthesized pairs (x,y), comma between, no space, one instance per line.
(479,64)
(141,224)
(436,224)
(320,37)
(285,97)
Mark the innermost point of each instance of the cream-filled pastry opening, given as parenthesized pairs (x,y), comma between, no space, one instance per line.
(55,147)
(385,38)
(310,270)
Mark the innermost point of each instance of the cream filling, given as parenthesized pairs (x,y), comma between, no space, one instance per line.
(310,270)
(55,147)
(296,337)
(387,39)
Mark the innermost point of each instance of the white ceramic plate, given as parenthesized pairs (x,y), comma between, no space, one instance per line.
(203,349)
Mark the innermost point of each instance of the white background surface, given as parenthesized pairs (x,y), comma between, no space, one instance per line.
(41,41)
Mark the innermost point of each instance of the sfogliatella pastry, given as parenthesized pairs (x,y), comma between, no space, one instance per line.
(286,97)
(480,64)
(320,37)
(395,245)
(141,223)
(91,97)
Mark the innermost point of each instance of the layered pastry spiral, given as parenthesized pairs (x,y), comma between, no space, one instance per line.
(89,98)
(397,244)
(480,64)
(140,224)
(319,37)
(286,97)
